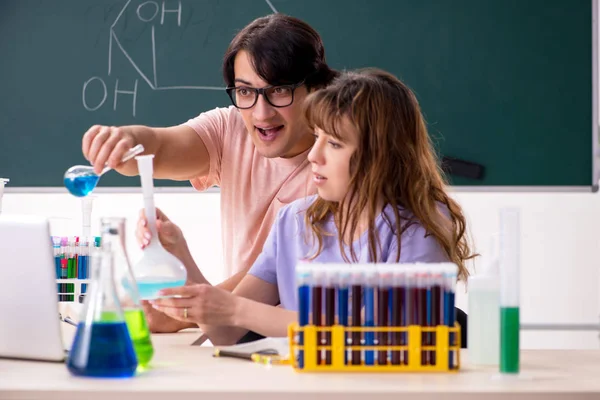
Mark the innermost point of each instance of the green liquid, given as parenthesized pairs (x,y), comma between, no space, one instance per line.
(509,340)
(139,333)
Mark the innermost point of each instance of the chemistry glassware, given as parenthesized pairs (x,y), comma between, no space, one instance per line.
(509,290)
(80,180)
(157,269)
(113,236)
(102,346)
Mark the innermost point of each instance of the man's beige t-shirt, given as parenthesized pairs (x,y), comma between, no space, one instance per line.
(253,188)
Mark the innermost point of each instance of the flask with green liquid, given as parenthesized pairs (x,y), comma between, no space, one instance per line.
(113,233)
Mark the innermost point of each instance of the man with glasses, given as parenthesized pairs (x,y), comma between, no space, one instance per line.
(255,150)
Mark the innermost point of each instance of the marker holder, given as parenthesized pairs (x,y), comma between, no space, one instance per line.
(447,356)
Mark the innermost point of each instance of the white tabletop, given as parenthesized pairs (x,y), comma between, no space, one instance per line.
(181,371)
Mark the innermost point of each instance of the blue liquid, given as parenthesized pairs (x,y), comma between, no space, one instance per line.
(343,313)
(450,319)
(103,350)
(58,276)
(148,288)
(81,186)
(303,314)
(369,321)
(82,271)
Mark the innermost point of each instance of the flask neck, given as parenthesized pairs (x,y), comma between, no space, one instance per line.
(113,232)
(102,300)
(113,236)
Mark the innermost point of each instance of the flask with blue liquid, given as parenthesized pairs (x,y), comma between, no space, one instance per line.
(81,180)
(102,346)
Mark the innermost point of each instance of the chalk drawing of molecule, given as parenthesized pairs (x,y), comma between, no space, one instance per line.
(147,12)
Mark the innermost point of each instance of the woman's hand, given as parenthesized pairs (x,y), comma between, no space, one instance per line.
(169,234)
(201,304)
(159,322)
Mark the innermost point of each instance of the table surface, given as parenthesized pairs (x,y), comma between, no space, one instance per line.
(182,371)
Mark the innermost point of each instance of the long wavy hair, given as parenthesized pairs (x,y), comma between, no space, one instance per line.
(394,162)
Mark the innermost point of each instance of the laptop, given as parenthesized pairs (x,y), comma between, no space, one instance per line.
(29,316)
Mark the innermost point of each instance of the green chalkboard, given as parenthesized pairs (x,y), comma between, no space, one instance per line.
(506,84)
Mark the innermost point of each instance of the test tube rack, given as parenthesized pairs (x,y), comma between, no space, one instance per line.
(446,356)
(371,317)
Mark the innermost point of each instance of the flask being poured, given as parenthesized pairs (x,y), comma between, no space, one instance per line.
(157,269)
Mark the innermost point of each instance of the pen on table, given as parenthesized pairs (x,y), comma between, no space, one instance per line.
(263,357)
(68,320)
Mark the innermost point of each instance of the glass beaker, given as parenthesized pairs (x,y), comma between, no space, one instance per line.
(113,233)
(102,346)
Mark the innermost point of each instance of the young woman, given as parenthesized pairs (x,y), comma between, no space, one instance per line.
(254,151)
(381,198)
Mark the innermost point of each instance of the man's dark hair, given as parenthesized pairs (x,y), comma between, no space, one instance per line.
(283,49)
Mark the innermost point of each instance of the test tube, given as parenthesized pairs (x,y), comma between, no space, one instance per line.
(384,287)
(3,181)
(509,290)
(356,282)
(83,264)
(56,251)
(343,280)
(398,312)
(317,307)
(329,283)
(370,282)
(423,309)
(71,270)
(77,253)
(303,282)
(64,268)
(410,307)
(437,306)
(449,276)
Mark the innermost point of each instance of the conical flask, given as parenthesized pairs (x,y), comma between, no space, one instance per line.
(157,269)
(102,346)
(113,232)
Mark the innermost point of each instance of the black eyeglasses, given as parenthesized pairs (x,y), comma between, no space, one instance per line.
(245,97)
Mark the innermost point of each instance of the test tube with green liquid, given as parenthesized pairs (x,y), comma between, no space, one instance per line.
(509,290)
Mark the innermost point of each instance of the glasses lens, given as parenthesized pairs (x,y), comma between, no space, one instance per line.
(280,96)
(244,97)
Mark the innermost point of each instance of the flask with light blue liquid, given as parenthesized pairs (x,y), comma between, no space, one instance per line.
(81,180)
(157,269)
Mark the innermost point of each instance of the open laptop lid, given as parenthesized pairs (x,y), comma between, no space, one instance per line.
(29,324)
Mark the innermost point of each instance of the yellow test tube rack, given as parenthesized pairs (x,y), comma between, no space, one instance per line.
(444,352)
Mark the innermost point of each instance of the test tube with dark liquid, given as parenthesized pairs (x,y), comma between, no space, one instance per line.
(437,307)
(329,317)
(384,306)
(317,307)
(342,281)
(356,282)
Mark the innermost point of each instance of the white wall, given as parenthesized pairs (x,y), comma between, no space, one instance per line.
(560,245)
